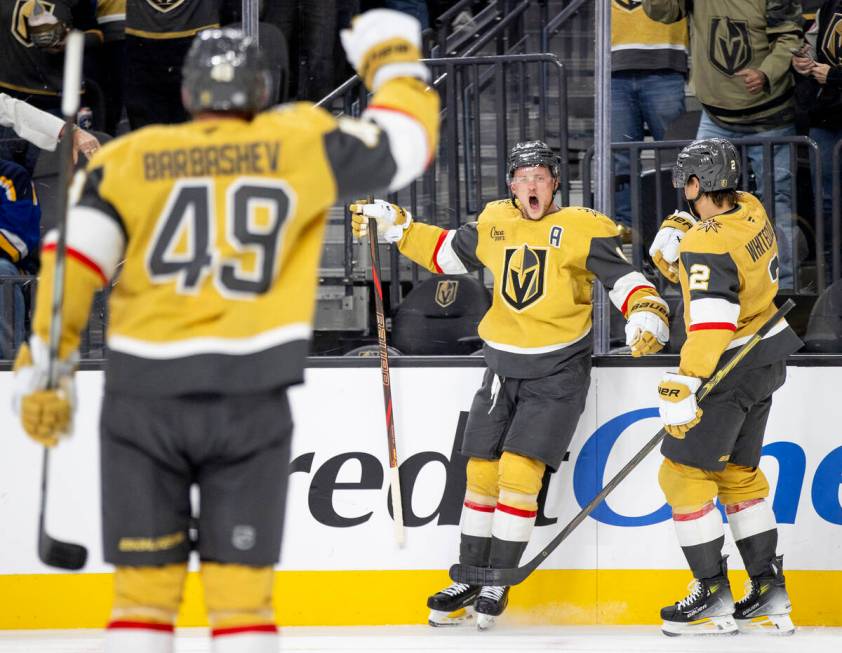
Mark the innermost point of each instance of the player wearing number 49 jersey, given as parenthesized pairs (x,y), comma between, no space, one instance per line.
(216,228)
(726,260)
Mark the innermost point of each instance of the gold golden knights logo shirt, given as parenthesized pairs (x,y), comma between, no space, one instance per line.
(543,270)
(728,270)
(216,228)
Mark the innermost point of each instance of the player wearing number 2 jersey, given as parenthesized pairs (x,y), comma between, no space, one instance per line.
(215,229)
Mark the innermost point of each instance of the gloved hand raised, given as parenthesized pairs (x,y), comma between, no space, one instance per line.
(392,220)
(664,249)
(383,44)
(648,327)
(46,415)
(677,403)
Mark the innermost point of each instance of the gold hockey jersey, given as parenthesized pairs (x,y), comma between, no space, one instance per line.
(543,270)
(728,270)
(216,228)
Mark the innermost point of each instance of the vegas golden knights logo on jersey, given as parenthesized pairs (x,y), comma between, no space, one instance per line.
(730,47)
(165,5)
(446,292)
(23,9)
(832,45)
(628,5)
(524,270)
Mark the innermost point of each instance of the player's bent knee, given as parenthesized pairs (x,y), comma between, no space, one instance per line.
(482,477)
(148,594)
(238,596)
(686,488)
(520,474)
(737,484)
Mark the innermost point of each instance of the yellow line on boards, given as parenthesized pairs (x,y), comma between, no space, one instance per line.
(333,598)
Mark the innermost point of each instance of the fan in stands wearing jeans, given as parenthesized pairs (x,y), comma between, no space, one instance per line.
(20,220)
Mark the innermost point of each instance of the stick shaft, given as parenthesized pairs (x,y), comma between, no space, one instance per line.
(397,505)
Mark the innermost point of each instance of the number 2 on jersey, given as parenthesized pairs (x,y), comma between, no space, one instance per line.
(183,246)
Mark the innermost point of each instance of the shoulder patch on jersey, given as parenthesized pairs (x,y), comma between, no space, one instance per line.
(710,225)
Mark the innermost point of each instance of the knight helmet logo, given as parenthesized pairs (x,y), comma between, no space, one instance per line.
(832,44)
(730,46)
(628,5)
(446,292)
(164,6)
(523,275)
(24,9)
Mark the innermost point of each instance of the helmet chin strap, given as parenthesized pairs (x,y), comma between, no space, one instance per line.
(691,204)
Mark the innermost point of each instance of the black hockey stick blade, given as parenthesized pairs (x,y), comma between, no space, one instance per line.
(516,575)
(53,552)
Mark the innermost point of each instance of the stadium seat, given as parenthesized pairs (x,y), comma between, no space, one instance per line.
(824,328)
(440,317)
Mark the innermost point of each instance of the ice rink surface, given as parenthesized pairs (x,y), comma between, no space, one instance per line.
(460,639)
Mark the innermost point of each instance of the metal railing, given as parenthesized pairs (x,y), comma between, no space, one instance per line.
(488,104)
(650,206)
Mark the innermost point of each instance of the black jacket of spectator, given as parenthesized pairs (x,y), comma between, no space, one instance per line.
(823,102)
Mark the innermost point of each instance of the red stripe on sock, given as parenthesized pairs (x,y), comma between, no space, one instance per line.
(742,505)
(518,512)
(690,516)
(140,625)
(479,507)
(239,630)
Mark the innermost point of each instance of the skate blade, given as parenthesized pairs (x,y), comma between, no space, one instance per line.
(439,618)
(772,624)
(724,625)
(485,621)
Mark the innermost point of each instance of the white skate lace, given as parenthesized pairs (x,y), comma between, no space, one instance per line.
(695,588)
(456,589)
(750,589)
(492,592)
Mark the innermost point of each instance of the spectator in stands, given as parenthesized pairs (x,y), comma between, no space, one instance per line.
(310,29)
(31,45)
(819,93)
(648,71)
(20,221)
(741,76)
(158,35)
(111,63)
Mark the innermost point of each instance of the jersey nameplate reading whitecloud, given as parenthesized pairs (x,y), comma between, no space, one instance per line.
(258,158)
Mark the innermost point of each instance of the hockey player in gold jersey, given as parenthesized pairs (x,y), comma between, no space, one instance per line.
(726,259)
(215,227)
(537,344)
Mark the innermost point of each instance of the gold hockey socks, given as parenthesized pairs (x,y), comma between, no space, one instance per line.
(240,612)
(517,508)
(146,602)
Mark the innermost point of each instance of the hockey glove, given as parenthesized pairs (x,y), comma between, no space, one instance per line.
(392,220)
(677,403)
(46,415)
(648,327)
(664,250)
(383,44)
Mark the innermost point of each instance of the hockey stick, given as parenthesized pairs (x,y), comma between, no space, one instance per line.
(53,552)
(394,476)
(513,576)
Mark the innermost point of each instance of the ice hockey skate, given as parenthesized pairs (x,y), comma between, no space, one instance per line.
(765,607)
(707,610)
(453,605)
(490,603)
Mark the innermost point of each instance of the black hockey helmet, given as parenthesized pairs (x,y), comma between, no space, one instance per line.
(531,153)
(225,71)
(714,161)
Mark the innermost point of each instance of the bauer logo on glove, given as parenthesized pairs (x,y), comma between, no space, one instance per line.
(677,403)
(392,220)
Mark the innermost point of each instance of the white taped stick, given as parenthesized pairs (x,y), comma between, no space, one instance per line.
(397,506)
(73,51)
